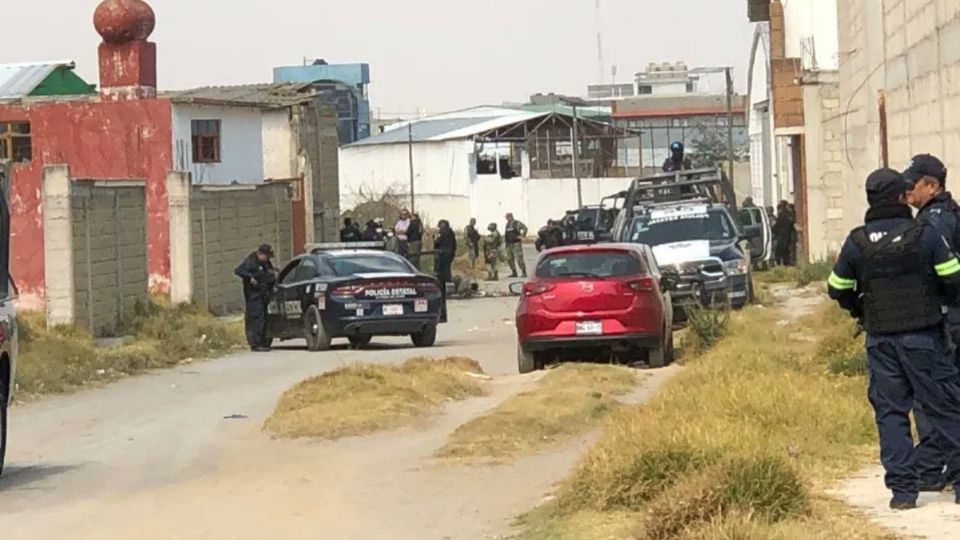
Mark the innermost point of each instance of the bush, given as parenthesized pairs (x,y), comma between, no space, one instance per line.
(707,326)
(808,273)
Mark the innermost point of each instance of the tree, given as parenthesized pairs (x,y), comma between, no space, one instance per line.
(710,147)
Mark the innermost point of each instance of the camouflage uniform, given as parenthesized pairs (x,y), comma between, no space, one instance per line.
(491,252)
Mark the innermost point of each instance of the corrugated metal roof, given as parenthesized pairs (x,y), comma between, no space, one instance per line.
(266,95)
(19,80)
(455,125)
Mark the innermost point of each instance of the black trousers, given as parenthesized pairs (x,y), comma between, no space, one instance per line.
(442,266)
(255,318)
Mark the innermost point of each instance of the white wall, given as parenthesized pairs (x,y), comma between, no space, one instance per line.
(811,32)
(279,155)
(440,169)
(241,143)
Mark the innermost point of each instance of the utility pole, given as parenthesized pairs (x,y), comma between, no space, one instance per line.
(410,159)
(576,158)
(730,152)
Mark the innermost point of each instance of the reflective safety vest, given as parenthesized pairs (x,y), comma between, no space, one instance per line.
(900,293)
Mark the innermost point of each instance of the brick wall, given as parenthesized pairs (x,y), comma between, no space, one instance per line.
(785,74)
(109,243)
(227,224)
(909,50)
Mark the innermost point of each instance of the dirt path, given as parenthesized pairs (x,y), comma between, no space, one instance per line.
(154,457)
(937,518)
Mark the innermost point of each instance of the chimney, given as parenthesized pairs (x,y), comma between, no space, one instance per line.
(128,62)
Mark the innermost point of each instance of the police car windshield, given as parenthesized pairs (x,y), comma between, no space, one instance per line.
(350,265)
(665,226)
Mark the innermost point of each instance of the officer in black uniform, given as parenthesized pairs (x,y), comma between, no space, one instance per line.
(938,210)
(350,231)
(677,161)
(258,277)
(894,273)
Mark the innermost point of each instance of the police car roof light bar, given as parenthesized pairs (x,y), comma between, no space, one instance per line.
(339,246)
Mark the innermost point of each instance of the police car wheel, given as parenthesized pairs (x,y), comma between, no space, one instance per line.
(3,423)
(316,334)
(357,342)
(426,338)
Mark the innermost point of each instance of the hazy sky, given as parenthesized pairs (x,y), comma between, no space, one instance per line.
(429,54)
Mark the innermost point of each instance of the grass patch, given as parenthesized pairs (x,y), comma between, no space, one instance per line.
(365,398)
(569,400)
(707,326)
(801,275)
(64,358)
(744,436)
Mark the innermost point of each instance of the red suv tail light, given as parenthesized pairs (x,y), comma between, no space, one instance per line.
(647,284)
(534,289)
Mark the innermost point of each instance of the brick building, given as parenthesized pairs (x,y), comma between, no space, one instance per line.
(126,131)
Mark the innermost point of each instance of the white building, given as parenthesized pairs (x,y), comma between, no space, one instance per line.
(793,112)
(484,162)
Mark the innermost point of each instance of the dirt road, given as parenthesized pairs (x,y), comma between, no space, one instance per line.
(155,457)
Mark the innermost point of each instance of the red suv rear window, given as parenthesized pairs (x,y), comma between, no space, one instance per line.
(602,264)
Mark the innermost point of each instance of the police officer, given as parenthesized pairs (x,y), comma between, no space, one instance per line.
(350,232)
(889,275)
(473,241)
(513,236)
(677,161)
(549,236)
(938,210)
(258,277)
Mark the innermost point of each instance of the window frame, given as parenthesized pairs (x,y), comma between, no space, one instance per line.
(10,136)
(203,132)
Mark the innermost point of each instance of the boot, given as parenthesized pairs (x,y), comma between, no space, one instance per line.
(896,504)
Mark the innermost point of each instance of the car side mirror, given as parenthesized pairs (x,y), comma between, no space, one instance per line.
(516,288)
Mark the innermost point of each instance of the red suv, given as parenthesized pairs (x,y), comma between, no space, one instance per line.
(610,297)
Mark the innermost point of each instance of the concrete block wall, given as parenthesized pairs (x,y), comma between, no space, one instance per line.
(109,252)
(227,224)
(95,247)
(315,128)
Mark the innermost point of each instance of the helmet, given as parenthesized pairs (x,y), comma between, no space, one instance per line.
(677,146)
(492,227)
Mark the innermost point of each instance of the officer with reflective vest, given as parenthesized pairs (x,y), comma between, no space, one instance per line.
(936,206)
(894,274)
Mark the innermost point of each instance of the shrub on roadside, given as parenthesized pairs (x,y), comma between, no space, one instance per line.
(707,326)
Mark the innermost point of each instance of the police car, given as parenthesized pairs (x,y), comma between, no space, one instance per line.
(347,291)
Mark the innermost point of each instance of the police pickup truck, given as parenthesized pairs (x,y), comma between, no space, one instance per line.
(686,217)
(8,318)
(356,291)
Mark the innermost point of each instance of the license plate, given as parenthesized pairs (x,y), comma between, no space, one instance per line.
(589,328)
(585,235)
(421,306)
(393,310)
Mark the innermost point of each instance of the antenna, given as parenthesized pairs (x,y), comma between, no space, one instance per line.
(600,68)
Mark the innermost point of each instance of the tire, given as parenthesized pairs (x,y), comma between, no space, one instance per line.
(3,422)
(671,354)
(359,342)
(657,357)
(427,338)
(314,332)
(527,362)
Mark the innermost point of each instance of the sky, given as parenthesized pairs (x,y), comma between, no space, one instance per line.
(424,55)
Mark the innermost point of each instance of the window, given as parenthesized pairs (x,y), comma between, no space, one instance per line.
(15,143)
(689,87)
(350,265)
(722,121)
(206,141)
(306,271)
(644,89)
(598,264)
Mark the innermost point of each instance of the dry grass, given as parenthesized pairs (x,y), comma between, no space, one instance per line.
(461,268)
(65,358)
(568,401)
(736,446)
(364,398)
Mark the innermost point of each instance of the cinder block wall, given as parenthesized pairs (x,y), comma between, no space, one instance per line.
(109,242)
(227,224)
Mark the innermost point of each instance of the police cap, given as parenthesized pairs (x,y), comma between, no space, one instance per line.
(886,185)
(925,165)
(266,249)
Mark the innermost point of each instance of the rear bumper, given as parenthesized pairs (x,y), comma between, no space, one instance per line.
(622,341)
(383,326)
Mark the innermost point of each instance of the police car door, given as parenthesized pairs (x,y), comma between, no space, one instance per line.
(299,292)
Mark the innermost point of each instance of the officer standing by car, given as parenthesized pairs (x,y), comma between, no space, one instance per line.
(513,236)
(446,249)
(889,275)
(549,236)
(937,209)
(350,232)
(258,277)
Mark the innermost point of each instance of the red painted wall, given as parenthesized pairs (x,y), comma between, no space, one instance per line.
(98,140)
